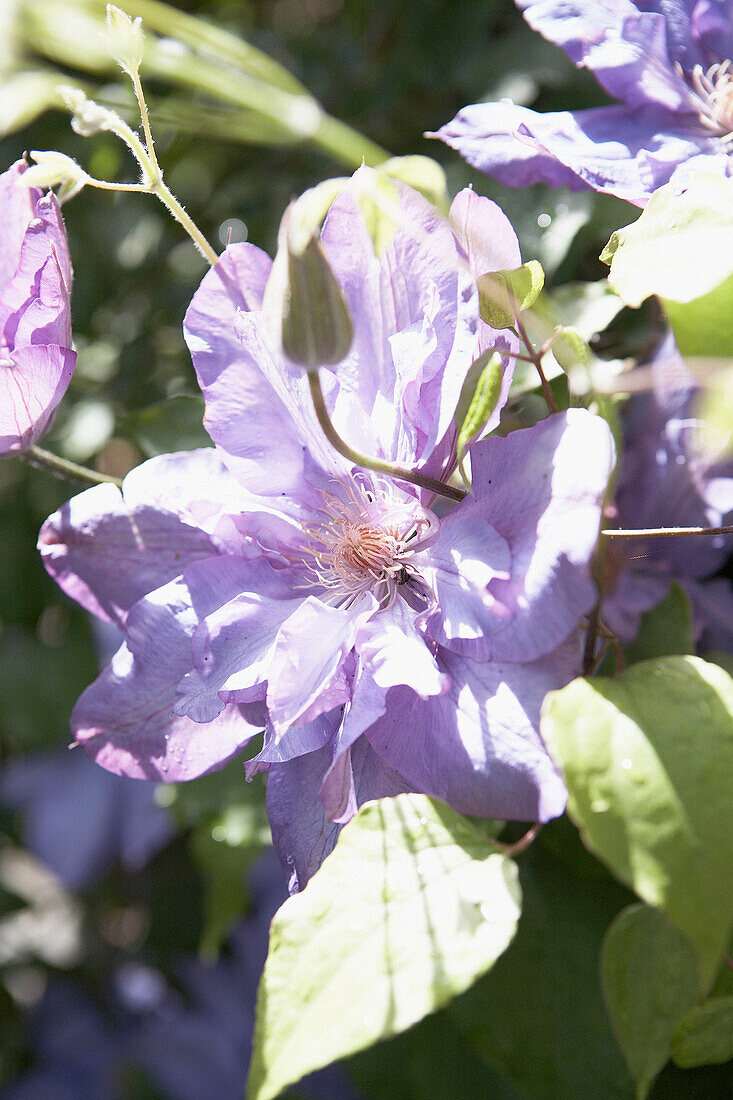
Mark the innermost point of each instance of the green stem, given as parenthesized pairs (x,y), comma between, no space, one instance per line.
(664,532)
(64,468)
(534,358)
(368,462)
(169,200)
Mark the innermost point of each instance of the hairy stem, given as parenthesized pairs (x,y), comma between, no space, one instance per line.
(64,468)
(663,532)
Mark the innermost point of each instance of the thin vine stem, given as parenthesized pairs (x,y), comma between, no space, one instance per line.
(63,467)
(367,461)
(663,532)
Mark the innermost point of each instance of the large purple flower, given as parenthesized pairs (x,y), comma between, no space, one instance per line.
(36,362)
(270,583)
(665,481)
(668,61)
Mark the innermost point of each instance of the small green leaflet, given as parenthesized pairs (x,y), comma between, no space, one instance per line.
(503,294)
(478,399)
(705,1035)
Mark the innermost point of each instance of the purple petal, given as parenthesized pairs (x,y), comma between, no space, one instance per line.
(306,672)
(478,746)
(107,549)
(301,832)
(540,489)
(65,795)
(125,719)
(618,150)
(630,51)
(32,382)
(256,411)
(232,648)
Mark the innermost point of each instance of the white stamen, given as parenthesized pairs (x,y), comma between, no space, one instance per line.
(366,541)
(713,88)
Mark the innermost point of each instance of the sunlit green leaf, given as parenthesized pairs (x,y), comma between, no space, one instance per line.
(411,907)
(648,760)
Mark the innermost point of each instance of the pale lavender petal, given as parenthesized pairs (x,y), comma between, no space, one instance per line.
(125,719)
(541,490)
(107,553)
(35,301)
(485,236)
(415,314)
(627,46)
(17,207)
(232,648)
(301,832)
(306,669)
(32,382)
(392,651)
(251,409)
(478,746)
(618,150)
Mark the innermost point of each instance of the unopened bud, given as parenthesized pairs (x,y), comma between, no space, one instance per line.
(53,169)
(88,117)
(126,39)
(316,327)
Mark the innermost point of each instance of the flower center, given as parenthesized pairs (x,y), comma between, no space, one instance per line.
(366,542)
(714,88)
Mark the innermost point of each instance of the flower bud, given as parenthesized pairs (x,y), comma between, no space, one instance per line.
(126,39)
(88,117)
(316,326)
(53,169)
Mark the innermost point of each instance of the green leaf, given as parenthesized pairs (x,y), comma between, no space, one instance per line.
(411,907)
(681,249)
(665,630)
(503,294)
(431,1061)
(704,326)
(649,976)
(538,1015)
(705,1035)
(175,424)
(648,760)
(479,395)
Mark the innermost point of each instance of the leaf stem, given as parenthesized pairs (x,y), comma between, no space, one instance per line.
(63,467)
(536,358)
(368,462)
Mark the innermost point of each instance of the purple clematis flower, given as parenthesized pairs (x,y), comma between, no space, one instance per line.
(79,819)
(668,61)
(36,362)
(665,482)
(271,584)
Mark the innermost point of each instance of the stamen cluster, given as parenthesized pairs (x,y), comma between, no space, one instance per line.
(714,89)
(366,542)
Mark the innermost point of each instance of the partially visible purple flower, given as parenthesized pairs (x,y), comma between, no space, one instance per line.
(272,584)
(36,362)
(668,61)
(200,1048)
(79,819)
(665,482)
